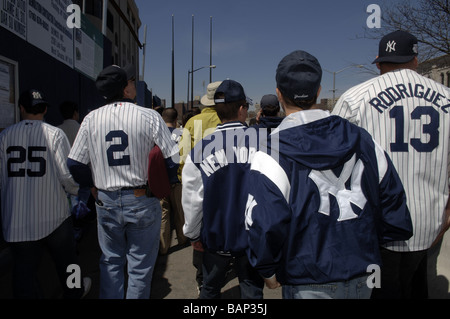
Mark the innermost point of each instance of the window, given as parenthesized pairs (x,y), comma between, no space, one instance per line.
(110,21)
(95,8)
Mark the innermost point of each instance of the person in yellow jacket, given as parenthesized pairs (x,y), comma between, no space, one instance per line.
(201,125)
(194,131)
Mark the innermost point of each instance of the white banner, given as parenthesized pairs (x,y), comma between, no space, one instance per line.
(47,29)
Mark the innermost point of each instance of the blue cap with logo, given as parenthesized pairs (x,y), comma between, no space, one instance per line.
(32,98)
(299,75)
(232,91)
(397,47)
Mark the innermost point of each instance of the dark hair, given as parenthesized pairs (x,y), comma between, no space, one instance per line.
(159,109)
(35,110)
(270,110)
(228,111)
(170,115)
(306,104)
(68,109)
(187,116)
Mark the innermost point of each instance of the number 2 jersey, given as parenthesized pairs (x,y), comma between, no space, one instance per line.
(34,180)
(408,115)
(318,211)
(116,141)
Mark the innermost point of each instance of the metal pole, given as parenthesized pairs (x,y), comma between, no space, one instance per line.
(210,49)
(334,87)
(192,66)
(143,58)
(173,62)
(187,100)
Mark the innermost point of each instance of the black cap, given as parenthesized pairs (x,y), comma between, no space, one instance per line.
(397,47)
(270,100)
(113,79)
(232,91)
(299,75)
(32,98)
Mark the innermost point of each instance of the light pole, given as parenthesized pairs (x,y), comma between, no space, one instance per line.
(334,77)
(192,84)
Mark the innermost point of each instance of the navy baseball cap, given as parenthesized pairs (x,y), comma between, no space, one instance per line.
(269,100)
(299,75)
(113,79)
(397,47)
(31,98)
(232,91)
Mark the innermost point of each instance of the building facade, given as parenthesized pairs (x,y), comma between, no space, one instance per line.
(437,69)
(121,27)
(42,49)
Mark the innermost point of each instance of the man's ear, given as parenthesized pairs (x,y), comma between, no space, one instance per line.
(126,92)
(279,95)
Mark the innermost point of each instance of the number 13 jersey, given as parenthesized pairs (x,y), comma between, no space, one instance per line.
(408,115)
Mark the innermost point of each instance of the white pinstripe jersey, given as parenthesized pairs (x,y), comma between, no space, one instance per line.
(116,141)
(34,180)
(408,115)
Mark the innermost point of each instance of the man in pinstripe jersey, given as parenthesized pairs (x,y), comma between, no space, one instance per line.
(115,141)
(34,179)
(408,115)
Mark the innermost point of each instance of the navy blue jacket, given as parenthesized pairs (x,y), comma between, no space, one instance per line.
(319,208)
(215,188)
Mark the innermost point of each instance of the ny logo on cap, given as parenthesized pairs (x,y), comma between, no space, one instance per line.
(37,96)
(391,46)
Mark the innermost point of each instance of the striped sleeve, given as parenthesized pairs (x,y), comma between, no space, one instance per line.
(80,148)
(62,149)
(163,138)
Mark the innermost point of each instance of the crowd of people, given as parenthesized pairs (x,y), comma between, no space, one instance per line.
(307,202)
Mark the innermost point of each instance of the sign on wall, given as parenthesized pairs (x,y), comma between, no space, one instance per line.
(9,113)
(88,49)
(47,29)
(43,23)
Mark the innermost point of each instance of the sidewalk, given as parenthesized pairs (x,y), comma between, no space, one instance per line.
(174,276)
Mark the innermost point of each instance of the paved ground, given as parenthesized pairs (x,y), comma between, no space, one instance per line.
(174,276)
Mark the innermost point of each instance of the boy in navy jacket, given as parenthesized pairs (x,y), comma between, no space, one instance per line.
(325,200)
(215,193)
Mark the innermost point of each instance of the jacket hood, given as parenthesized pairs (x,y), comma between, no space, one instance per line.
(317,140)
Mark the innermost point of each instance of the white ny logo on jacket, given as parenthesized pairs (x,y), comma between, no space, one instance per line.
(329,183)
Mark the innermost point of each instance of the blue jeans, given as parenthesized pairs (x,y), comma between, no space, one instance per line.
(351,289)
(215,268)
(27,257)
(128,235)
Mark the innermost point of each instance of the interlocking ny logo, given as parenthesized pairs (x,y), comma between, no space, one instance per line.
(328,183)
(391,46)
(36,95)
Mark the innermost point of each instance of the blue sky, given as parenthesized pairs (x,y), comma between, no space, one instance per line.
(250,37)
